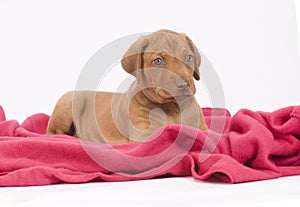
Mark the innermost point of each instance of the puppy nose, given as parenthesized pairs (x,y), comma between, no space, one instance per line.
(182,85)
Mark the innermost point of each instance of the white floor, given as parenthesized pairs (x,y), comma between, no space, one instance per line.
(158,192)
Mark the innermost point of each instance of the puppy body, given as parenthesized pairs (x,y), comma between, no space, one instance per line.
(92,116)
(164,64)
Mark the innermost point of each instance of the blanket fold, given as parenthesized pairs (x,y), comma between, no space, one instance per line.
(247,146)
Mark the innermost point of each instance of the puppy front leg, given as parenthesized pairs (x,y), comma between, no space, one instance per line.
(203,125)
(61,120)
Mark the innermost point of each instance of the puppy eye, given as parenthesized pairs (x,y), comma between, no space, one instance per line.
(158,61)
(189,59)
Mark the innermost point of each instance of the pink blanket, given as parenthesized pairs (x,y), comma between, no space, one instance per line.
(248,146)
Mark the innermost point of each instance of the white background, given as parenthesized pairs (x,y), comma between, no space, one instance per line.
(253,45)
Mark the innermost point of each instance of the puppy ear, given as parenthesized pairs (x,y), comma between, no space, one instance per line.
(133,58)
(197,57)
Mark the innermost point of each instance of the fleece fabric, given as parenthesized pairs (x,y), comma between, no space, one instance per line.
(248,146)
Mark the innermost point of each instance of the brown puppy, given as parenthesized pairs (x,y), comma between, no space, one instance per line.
(164,64)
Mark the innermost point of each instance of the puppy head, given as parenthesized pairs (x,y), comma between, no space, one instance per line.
(164,63)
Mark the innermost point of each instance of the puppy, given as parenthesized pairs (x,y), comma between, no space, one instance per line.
(164,64)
